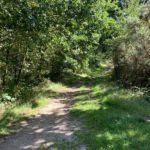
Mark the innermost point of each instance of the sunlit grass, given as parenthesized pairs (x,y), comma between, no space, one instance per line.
(10,116)
(113,117)
(55,87)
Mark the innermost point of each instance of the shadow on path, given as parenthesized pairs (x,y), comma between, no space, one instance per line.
(51,126)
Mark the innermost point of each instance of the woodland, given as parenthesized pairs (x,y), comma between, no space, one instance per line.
(100,46)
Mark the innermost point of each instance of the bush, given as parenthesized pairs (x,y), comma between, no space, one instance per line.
(132,56)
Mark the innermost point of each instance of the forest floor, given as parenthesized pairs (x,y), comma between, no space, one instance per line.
(84,112)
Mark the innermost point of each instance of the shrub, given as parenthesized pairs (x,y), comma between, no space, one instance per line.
(132,56)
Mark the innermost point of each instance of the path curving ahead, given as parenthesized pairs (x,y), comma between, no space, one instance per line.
(50,126)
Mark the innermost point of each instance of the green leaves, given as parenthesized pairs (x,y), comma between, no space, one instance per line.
(42,37)
(6,98)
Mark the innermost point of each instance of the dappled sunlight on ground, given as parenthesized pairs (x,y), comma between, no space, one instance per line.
(51,125)
(113,117)
(89,113)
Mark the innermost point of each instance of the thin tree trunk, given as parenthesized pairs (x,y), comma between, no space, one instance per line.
(6,69)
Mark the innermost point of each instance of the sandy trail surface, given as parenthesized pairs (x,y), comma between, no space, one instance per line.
(51,125)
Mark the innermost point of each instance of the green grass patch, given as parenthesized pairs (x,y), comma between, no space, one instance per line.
(11,115)
(114,118)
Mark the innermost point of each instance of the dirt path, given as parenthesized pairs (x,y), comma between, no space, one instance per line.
(50,126)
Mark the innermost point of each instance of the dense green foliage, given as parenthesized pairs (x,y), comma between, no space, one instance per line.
(59,40)
(132,54)
(47,38)
(42,38)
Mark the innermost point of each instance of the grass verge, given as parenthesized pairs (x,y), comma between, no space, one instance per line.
(10,116)
(114,118)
